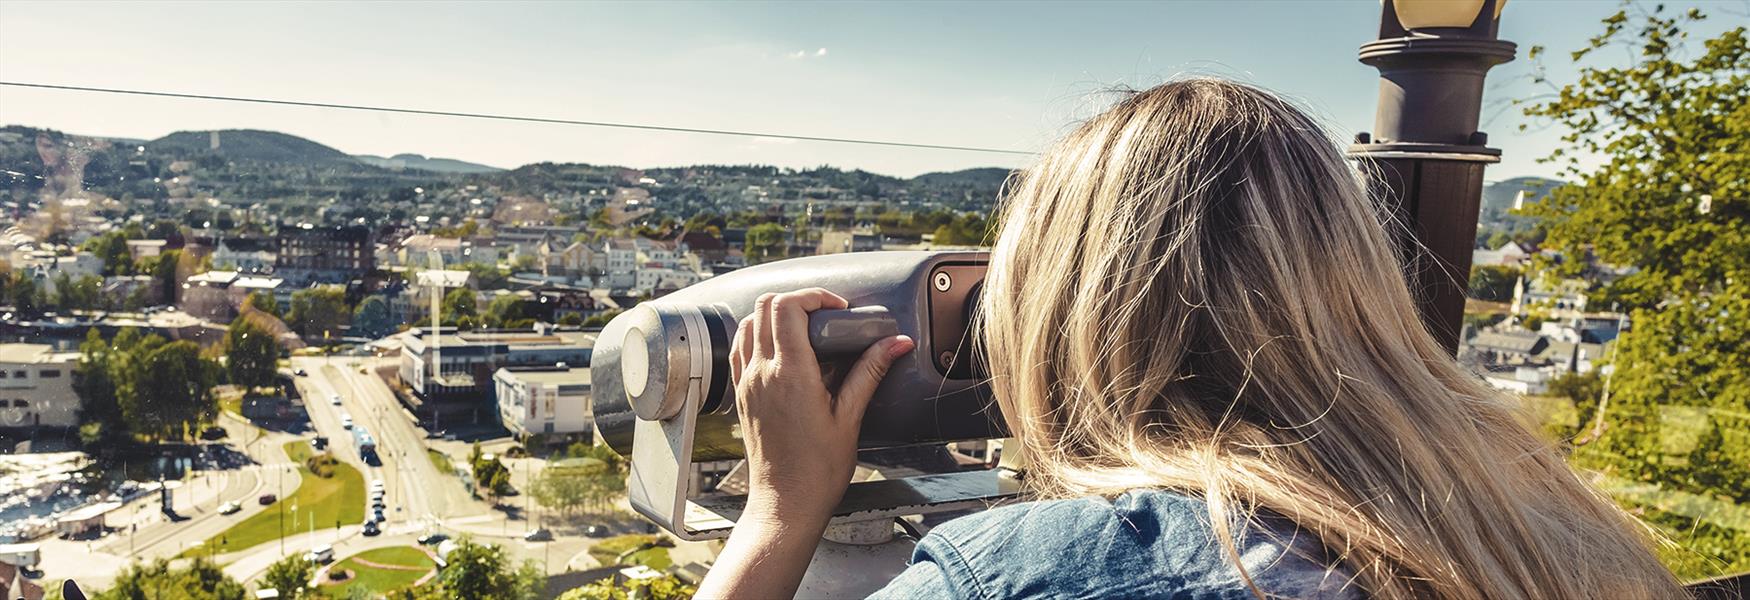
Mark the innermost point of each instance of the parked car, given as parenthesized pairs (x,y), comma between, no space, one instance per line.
(371,528)
(214,432)
(432,538)
(334,399)
(378,505)
(319,442)
(377,515)
(321,554)
(267,499)
(345,421)
(538,535)
(230,508)
(300,373)
(597,531)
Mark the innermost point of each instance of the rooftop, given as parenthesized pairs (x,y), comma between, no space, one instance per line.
(24,353)
(552,376)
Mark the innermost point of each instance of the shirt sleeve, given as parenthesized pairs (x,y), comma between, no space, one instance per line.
(937,571)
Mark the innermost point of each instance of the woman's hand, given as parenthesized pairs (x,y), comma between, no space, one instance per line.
(801,443)
(801,438)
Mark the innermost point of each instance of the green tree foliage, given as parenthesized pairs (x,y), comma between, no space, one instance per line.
(164,270)
(100,410)
(251,354)
(503,311)
(202,579)
(460,303)
(970,229)
(265,302)
(22,293)
(171,393)
(371,319)
(1670,199)
(487,277)
(485,572)
(1493,283)
(665,587)
(112,249)
(288,576)
(318,312)
(766,241)
(601,319)
(571,319)
(82,293)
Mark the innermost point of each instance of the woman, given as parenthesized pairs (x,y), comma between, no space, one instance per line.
(1200,334)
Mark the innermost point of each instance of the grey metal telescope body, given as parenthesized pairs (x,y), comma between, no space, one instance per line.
(646,359)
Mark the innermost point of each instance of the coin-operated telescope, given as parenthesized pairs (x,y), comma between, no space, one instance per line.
(662,396)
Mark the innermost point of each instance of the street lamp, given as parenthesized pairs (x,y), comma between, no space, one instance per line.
(1432,57)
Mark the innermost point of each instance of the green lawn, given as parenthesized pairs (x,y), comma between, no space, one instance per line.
(441,461)
(607,550)
(321,502)
(384,580)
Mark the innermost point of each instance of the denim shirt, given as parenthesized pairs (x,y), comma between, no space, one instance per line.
(1142,544)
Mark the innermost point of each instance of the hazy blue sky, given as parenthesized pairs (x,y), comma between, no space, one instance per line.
(980,74)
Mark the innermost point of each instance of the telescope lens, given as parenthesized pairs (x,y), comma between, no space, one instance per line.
(634,362)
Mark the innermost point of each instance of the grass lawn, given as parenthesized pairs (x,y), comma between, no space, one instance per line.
(320,502)
(441,461)
(382,580)
(607,550)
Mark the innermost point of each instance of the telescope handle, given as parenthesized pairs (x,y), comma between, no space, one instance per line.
(848,332)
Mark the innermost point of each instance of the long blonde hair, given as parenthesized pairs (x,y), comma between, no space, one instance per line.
(1194,291)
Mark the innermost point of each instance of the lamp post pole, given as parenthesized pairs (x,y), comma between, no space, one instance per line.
(1432,57)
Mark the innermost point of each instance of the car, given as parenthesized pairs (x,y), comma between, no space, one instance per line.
(214,432)
(378,505)
(538,535)
(377,515)
(432,539)
(267,499)
(334,399)
(320,554)
(596,531)
(371,528)
(301,373)
(319,442)
(345,421)
(230,508)
(376,484)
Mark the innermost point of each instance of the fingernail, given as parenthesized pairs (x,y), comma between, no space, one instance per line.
(898,346)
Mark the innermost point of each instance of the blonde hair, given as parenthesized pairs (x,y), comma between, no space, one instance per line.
(1194,292)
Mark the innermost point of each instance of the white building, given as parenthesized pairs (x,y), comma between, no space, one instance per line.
(36,387)
(622,263)
(245,255)
(544,400)
(1510,254)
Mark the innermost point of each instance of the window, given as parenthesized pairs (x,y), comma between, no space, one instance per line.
(20,404)
(50,373)
(21,374)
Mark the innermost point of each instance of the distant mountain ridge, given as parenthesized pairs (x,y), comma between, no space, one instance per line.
(421,162)
(249,145)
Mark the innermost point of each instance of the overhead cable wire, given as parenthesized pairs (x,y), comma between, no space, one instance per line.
(497,117)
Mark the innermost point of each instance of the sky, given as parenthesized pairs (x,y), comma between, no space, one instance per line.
(985,74)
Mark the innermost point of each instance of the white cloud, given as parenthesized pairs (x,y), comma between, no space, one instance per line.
(820,52)
(798,54)
(802,54)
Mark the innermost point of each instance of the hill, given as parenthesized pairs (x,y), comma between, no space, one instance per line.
(981,177)
(423,163)
(1498,196)
(249,145)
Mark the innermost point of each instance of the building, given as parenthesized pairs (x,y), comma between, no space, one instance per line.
(1510,254)
(856,240)
(309,255)
(452,372)
(36,387)
(218,295)
(548,401)
(245,255)
(418,249)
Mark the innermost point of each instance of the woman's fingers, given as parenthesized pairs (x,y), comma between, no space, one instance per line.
(764,345)
(859,384)
(741,349)
(790,319)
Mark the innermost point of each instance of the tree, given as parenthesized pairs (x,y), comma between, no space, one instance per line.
(765,242)
(1658,153)
(112,249)
(23,293)
(665,587)
(483,571)
(372,319)
(504,310)
(1493,283)
(571,319)
(251,354)
(459,303)
(99,408)
(265,302)
(601,319)
(288,576)
(318,312)
(171,392)
(202,579)
(164,275)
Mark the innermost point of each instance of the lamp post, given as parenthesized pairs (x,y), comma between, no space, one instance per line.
(1432,57)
